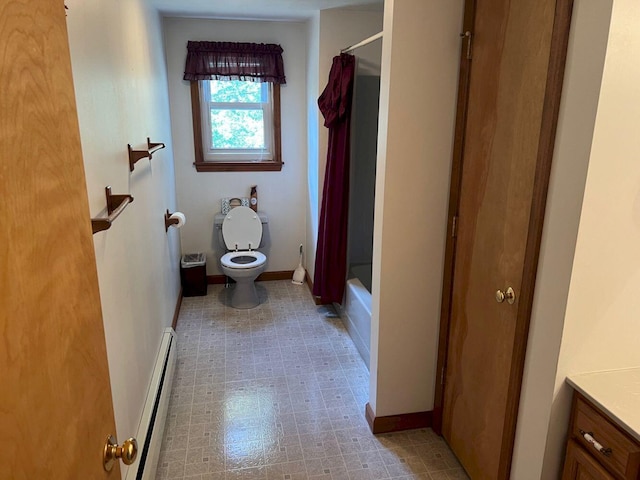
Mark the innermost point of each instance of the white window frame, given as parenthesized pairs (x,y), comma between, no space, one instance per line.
(211,154)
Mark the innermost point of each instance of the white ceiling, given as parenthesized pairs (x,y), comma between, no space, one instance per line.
(257,9)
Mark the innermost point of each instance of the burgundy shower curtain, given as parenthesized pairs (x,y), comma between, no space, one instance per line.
(331,255)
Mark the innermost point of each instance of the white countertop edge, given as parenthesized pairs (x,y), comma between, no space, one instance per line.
(616,393)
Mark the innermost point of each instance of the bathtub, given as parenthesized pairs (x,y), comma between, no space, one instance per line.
(355,311)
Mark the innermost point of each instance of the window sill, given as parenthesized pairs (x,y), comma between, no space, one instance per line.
(238,166)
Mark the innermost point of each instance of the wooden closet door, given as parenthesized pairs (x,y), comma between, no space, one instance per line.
(514,81)
(55,395)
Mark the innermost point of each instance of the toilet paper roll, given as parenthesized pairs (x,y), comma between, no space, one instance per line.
(180,217)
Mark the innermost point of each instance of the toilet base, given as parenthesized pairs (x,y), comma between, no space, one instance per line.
(244,295)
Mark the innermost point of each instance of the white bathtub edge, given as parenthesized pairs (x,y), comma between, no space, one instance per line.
(356,316)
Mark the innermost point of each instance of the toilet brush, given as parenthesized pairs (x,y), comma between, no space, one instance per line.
(299,273)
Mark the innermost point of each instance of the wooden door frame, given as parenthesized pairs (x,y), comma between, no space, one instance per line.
(454,202)
(546,144)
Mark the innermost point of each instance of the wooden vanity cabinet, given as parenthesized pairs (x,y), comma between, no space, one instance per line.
(597,448)
(580,465)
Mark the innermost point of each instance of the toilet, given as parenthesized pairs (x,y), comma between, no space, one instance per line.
(242,233)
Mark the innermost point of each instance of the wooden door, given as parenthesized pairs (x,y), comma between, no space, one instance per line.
(510,89)
(579,465)
(55,396)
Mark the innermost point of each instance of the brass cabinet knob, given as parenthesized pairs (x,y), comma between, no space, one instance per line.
(112,451)
(509,296)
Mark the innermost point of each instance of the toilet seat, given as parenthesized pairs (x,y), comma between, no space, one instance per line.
(227,260)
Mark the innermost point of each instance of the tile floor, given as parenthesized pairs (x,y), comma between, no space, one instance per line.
(278,392)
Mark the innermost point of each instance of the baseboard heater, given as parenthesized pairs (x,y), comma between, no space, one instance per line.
(154,415)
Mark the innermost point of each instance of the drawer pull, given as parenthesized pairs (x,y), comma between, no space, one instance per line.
(588,436)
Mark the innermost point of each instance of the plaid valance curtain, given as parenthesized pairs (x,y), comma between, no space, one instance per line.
(254,62)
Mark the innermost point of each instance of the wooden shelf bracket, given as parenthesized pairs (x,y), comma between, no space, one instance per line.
(135,155)
(115,206)
(154,147)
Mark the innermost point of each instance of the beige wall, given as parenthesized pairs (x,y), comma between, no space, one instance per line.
(121,89)
(330,31)
(581,89)
(280,194)
(417,114)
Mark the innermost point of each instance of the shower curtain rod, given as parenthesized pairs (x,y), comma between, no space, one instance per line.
(364,42)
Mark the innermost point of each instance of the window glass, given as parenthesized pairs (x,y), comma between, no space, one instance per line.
(237,120)
(237,129)
(237,91)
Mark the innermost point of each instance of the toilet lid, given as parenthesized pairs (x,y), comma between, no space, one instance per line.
(242,229)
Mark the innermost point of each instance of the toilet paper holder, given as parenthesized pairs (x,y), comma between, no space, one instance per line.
(168,221)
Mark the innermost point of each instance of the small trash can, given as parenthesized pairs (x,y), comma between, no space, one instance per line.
(193,274)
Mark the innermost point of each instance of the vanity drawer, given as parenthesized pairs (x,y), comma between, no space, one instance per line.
(611,446)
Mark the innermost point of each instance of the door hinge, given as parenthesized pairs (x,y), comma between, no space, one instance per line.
(469,36)
(454,226)
(442,376)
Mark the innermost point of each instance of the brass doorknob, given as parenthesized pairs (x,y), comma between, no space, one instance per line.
(112,451)
(509,296)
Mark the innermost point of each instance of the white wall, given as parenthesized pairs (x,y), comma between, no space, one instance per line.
(280,194)
(329,32)
(583,76)
(314,124)
(420,56)
(601,327)
(121,89)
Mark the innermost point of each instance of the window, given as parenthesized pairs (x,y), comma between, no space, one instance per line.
(237,125)
(235,102)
